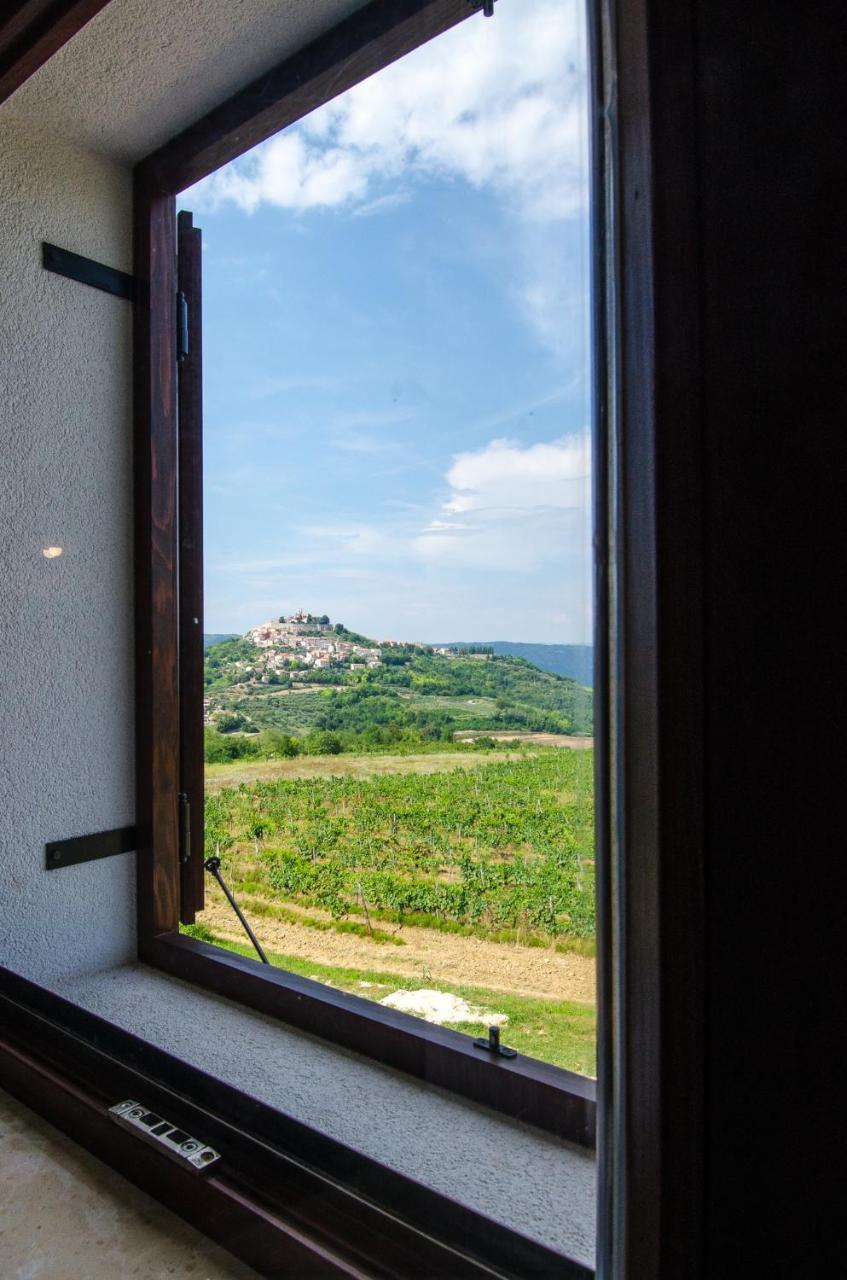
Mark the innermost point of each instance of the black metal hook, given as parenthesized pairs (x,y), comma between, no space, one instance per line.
(493,1045)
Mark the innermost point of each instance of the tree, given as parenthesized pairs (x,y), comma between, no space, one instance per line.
(273,744)
(324,744)
(232,721)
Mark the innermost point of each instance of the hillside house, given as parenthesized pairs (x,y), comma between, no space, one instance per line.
(351,1144)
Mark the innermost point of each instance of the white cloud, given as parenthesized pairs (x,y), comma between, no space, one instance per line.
(514,507)
(500,103)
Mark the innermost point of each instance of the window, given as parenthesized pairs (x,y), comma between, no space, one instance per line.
(170,681)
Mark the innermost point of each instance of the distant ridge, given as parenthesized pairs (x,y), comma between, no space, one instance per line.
(573,660)
(218,638)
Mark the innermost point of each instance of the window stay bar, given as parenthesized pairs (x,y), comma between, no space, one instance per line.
(213,866)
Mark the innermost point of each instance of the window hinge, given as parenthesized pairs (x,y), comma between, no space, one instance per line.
(181,326)
(184,827)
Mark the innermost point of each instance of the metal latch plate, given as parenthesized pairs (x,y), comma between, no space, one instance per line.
(164,1136)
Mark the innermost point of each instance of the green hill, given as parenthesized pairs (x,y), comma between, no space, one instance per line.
(386,694)
(210,640)
(574,660)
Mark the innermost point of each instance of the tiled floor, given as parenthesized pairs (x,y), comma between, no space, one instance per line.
(66,1216)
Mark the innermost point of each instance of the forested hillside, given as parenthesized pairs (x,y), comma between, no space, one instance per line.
(573,660)
(333,690)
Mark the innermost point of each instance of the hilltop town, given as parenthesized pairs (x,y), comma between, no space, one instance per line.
(306,640)
(295,648)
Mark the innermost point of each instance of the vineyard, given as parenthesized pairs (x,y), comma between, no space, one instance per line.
(504,851)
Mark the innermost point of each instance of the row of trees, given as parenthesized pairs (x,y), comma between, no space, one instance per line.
(273,744)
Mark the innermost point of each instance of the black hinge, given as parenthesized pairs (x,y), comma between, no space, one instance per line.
(68,853)
(184,827)
(73,266)
(181,326)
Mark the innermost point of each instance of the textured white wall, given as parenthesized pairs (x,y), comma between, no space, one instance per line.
(66,625)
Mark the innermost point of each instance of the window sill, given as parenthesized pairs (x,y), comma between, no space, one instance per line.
(537,1186)
(559,1102)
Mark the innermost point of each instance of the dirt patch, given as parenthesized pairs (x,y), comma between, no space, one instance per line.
(573,741)
(247,771)
(427,954)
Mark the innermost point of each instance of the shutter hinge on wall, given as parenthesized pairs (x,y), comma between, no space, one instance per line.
(73,266)
(184,827)
(181,326)
(103,844)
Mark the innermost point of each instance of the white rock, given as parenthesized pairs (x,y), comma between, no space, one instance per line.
(440,1007)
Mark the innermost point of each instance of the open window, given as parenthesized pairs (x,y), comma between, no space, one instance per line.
(558,864)
(646,297)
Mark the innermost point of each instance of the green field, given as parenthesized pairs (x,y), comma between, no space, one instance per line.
(505,849)
(466,712)
(359,871)
(293,712)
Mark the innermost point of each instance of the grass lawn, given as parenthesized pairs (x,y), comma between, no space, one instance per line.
(464,709)
(558,1032)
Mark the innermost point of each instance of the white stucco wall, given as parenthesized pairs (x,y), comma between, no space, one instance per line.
(66,625)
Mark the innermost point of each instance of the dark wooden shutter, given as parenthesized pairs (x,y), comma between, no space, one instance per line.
(190,401)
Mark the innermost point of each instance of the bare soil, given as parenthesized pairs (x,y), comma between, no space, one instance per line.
(574,741)
(232,775)
(428,954)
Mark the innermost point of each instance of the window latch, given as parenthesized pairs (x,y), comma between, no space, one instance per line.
(493,1045)
(181,326)
(184,827)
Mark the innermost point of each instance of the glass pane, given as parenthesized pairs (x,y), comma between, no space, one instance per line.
(399,763)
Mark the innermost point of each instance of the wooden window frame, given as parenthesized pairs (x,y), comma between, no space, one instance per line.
(649,642)
(560,1101)
(31,31)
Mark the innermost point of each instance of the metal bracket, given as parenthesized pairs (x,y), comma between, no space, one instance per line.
(86,271)
(493,1045)
(67,853)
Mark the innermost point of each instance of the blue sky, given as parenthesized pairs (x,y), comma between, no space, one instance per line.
(395,346)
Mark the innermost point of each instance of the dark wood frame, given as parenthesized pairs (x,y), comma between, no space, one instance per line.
(376,35)
(652,771)
(649,496)
(190,447)
(31,31)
